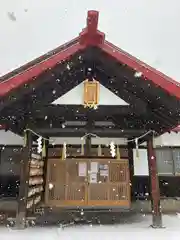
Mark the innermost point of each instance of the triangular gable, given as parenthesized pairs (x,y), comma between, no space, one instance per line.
(90,36)
(75,97)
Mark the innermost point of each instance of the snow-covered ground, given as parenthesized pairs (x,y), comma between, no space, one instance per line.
(139,229)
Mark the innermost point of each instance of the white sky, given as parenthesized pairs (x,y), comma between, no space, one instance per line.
(148,29)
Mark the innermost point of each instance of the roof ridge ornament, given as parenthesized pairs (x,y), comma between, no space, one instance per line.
(91,36)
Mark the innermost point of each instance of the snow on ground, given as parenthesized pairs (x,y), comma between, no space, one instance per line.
(139,229)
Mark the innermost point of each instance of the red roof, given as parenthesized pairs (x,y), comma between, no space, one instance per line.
(90,36)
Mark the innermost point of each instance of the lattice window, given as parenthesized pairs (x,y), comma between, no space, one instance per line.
(164,160)
(176,159)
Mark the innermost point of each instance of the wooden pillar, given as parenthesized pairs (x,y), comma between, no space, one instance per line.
(45,159)
(21,213)
(154,182)
(87,147)
(131,166)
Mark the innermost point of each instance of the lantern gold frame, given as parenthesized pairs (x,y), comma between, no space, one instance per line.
(91,93)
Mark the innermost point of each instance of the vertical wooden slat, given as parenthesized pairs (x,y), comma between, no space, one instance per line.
(24,183)
(131,167)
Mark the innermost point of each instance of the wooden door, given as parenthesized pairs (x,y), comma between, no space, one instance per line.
(111,186)
(55,183)
(64,186)
(77,184)
(88,183)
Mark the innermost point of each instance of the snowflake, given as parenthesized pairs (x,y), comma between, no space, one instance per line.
(137,74)
(68,67)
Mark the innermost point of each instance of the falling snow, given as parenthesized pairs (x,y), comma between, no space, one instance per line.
(11,16)
(11,158)
(137,74)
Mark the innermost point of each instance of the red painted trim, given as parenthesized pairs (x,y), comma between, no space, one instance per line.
(148,72)
(176,129)
(38,60)
(30,73)
(91,36)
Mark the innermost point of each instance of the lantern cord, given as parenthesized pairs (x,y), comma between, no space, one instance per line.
(145,134)
(92,134)
(132,140)
(38,135)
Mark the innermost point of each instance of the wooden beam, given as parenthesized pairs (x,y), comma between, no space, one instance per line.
(119,85)
(45,159)
(72,132)
(67,111)
(111,123)
(125,76)
(131,166)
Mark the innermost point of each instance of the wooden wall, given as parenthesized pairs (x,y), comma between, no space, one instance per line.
(9,180)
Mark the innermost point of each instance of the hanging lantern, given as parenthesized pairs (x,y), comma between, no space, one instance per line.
(91,93)
(118,155)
